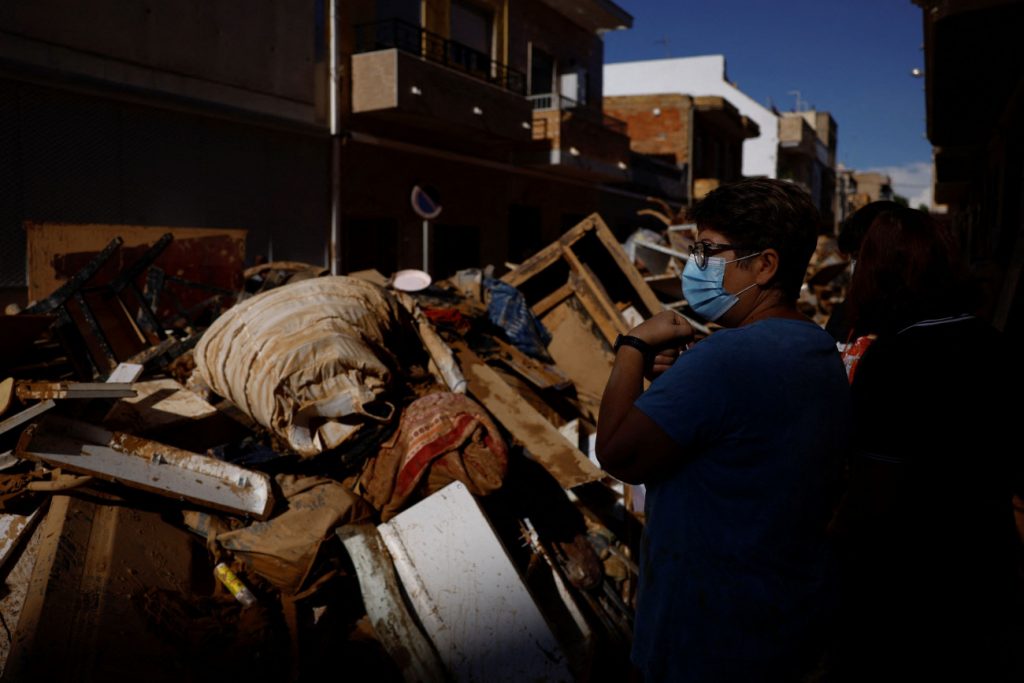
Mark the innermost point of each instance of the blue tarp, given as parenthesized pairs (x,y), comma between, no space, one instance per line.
(508,310)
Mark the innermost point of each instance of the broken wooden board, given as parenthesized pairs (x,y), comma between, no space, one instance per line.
(6,394)
(14,528)
(397,629)
(545,445)
(467,593)
(580,353)
(17,577)
(148,465)
(595,267)
(38,391)
(93,609)
(541,375)
(442,360)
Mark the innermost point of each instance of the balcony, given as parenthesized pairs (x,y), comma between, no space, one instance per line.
(579,140)
(405,74)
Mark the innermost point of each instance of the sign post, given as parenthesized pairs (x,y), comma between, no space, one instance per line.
(426,205)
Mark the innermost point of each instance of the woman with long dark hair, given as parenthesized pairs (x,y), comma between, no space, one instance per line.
(927,528)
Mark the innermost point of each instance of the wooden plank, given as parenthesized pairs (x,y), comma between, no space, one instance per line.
(540,375)
(555,454)
(66,390)
(548,255)
(646,295)
(6,394)
(579,352)
(597,304)
(101,576)
(14,529)
(553,299)
(17,577)
(607,326)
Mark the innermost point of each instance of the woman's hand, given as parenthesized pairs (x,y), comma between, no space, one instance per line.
(666,332)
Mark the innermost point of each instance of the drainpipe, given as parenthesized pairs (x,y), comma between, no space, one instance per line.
(334,117)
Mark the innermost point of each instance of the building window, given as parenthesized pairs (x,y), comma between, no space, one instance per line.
(472,26)
(403,10)
(542,72)
(472,29)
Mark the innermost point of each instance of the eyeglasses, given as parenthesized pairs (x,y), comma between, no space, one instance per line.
(700,251)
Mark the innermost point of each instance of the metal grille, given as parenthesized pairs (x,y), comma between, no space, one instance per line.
(70,153)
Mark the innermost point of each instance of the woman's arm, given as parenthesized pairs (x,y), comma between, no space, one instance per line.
(630,445)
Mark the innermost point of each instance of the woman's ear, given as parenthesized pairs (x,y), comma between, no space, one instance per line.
(767,263)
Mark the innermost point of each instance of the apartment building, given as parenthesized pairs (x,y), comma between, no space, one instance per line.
(494,105)
(702,76)
(807,157)
(309,123)
(703,136)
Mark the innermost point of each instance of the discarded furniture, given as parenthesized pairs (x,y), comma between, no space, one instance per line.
(98,324)
(582,284)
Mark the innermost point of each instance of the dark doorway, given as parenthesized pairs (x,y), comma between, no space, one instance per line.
(524,232)
(453,247)
(542,72)
(370,243)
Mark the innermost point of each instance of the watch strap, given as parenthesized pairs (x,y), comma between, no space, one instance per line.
(637,343)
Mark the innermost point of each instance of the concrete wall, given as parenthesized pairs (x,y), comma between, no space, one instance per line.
(68,157)
(700,76)
(491,212)
(385,81)
(874,185)
(251,54)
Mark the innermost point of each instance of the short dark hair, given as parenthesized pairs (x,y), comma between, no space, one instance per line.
(909,269)
(852,232)
(765,213)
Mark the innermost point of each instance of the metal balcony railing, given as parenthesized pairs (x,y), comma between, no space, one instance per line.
(401,35)
(554,101)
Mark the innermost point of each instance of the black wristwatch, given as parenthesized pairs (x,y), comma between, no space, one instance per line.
(637,343)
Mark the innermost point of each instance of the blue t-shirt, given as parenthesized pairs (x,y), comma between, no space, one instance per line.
(735,572)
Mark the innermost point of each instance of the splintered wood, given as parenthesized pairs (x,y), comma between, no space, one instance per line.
(545,444)
(578,287)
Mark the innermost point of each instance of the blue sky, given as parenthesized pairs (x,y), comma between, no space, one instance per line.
(849,57)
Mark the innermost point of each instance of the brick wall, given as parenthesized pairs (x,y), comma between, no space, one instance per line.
(659,125)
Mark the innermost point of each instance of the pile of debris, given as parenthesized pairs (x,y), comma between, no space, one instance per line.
(203,481)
